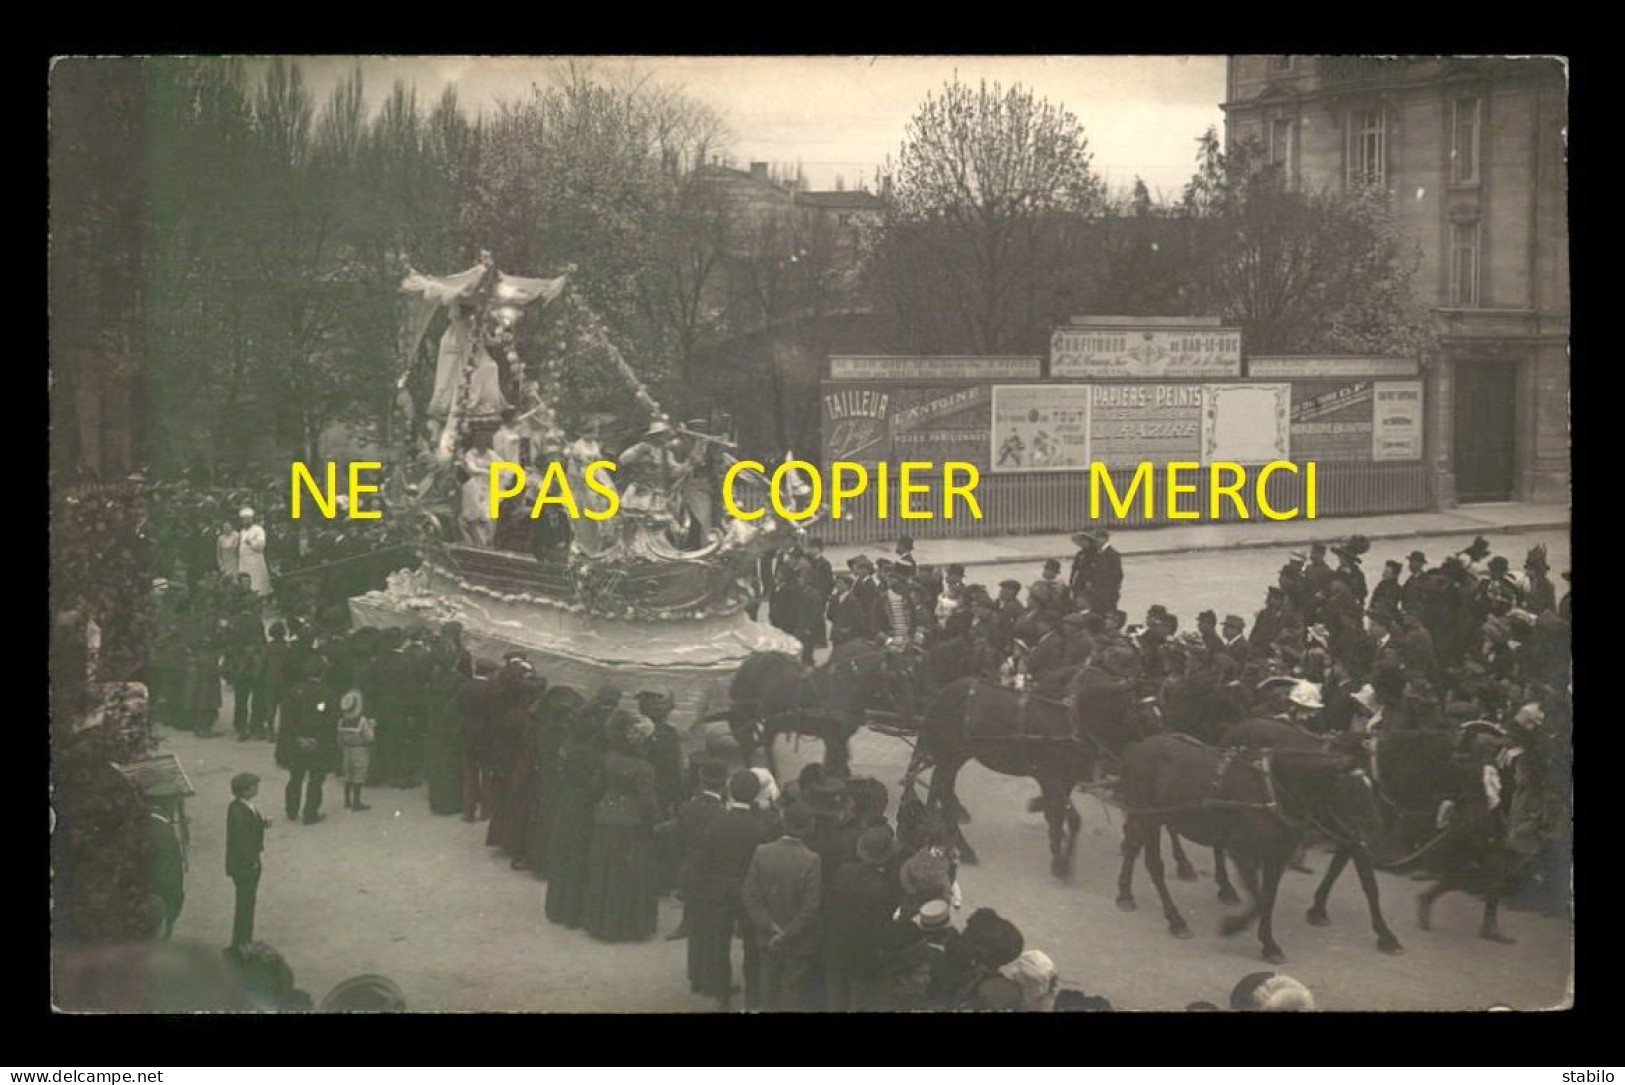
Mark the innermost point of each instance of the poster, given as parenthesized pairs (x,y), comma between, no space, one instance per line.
(1328,367)
(1331,420)
(856,423)
(942,422)
(1040,427)
(1130,423)
(869,367)
(1397,421)
(1109,352)
(1246,423)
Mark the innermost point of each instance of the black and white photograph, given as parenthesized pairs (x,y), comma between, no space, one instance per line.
(809,534)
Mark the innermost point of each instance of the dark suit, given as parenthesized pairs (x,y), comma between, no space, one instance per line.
(694,819)
(862,899)
(1105,580)
(308,745)
(245,840)
(719,864)
(849,619)
(782,890)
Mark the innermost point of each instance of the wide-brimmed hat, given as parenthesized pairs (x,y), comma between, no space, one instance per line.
(1016,584)
(1234,620)
(658,428)
(350,704)
(876,845)
(1417,555)
(364,994)
(933,915)
(1082,537)
(1305,695)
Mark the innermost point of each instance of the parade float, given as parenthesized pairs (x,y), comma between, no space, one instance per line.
(642,600)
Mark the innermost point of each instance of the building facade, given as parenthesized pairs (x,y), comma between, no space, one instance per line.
(1474,152)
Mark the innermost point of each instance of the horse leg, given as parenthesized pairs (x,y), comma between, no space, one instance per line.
(1125,876)
(1074,825)
(1424,900)
(1489,928)
(837,754)
(942,798)
(1153,865)
(1317,910)
(1235,924)
(1221,874)
(1274,867)
(1055,800)
(1182,866)
(1368,883)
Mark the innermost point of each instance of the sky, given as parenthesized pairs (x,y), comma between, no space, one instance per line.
(842,116)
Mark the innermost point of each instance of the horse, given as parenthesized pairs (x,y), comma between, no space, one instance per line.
(1269,734)
(1015,734)
(1254,809)
(1463,844)
(773,693)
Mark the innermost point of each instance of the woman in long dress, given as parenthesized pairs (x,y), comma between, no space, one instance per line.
(555,714)
(505,760)
(577,787)
(475,516)
(622,892)
(251,554)
(442,745)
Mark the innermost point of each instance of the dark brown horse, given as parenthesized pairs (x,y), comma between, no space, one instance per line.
(1462,844)
(1017,734)
(1273,734)
(1255,807)
(774,694)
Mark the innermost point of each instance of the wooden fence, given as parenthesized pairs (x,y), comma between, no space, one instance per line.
(1018,504)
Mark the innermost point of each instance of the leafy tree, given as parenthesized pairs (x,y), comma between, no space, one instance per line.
(977,240)
(1301,271)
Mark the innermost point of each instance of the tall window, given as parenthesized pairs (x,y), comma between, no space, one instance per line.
(1464,142)
(1464,264)
(1281,130)
(1366,148)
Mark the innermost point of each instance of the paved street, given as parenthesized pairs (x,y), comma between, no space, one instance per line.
(421,899)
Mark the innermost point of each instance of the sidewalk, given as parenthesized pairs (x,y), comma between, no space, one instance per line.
(1493,519)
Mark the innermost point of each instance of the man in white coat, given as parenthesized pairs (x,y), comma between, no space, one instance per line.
(251,553)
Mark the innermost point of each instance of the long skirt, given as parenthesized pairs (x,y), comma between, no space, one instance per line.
(541,825)
(517,810)
(622,901)
(443,770)
(710,945)
(569,839)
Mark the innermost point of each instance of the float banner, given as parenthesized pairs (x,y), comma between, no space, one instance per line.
(938,423)
(1130,423)
(1040,427)
(1312,367)
(967,367)
(856,424)
(1331,420)
(1111,352)
(1397,422)
(1246,423)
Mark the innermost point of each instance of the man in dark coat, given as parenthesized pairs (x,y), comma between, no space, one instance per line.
(1388,595)
(665,753)
(476,711)
(1105,574)
(781,894)
(245,840)
(1271,621)
(694,819)
(308,744)
(1082,565)
(1410,591)
(860,904)
(818,580)
(1317,580)
(1232,643)
(721,859)
(848,618)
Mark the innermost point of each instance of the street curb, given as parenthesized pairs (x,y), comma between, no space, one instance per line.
(1295,540)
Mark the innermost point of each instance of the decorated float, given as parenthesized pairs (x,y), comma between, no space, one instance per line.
(655,597)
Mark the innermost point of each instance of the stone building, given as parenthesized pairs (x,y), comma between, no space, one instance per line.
(1474,151)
